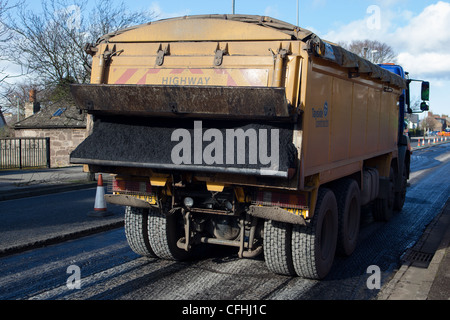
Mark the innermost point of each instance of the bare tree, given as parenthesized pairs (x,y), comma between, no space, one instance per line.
(5,38)
(372,50)
(50,44)
(430,124)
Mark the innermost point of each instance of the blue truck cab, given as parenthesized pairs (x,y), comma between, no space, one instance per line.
(404,146)
(404,102)
(404,98)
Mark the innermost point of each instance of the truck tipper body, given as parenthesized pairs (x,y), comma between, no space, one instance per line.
(243,131)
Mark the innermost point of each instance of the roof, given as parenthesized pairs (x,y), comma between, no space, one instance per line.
(55,116)
(316,46)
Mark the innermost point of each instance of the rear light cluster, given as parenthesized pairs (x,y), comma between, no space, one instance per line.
(131,187)
(279,199)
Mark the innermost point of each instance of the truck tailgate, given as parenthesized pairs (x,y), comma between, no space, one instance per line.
(222,146)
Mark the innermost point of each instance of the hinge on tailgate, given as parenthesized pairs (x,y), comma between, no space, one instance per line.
(90,49)
(279,67)
(161,53)
(108,54)
(105,60)
(219,53)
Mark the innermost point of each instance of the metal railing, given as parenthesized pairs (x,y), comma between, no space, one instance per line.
(20,153)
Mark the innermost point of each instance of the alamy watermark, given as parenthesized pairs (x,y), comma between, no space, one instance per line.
(374,280)
(230,148)
(74,17)
(70,15)
(74,280)
(374,20)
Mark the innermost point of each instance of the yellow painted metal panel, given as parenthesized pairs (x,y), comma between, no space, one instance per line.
(346,121)
(359,119)
(340,109)
(191,61)
(203,48)
(292,85)
(316,119)
(191,76)
(373,121)
(200,29)
(385,113)
(158,181)
(216,187)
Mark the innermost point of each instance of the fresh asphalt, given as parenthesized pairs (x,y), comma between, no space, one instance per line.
(42,207)
(57,218)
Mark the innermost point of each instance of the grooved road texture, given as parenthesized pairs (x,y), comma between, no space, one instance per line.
(109,269)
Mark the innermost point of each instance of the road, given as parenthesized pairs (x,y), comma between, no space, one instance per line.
(35,220)
(110,270)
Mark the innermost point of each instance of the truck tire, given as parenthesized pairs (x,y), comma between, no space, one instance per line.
(348,197)
(164,232)
(136,231)
(383,209)
(314,245)
(277,247)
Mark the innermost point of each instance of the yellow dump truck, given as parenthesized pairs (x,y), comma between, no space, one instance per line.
(243,131)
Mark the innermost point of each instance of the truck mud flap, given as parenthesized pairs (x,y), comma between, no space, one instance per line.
(235,147)
(259,103)
(276,214)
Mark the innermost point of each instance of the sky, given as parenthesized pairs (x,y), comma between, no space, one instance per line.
(417,30)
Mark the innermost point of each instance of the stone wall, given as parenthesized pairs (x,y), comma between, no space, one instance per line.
(62,142)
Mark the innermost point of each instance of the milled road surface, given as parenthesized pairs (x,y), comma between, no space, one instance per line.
(110,270)
(36,220)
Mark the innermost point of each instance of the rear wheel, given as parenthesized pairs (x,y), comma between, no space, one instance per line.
(136,231)
(164,230)
(348,198)
(314,246)
(277,247)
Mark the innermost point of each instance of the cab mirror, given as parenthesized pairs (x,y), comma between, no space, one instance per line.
(425,91)
(424,106)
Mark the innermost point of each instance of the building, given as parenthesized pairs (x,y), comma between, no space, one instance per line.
(413,120)
(61,122)
(441,122)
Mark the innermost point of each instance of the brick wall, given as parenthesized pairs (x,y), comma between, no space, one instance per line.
(62,142)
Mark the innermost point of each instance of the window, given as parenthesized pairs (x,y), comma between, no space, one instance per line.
(59,112)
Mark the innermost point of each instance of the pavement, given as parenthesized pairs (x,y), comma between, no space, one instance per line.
(424,273)
(425,270)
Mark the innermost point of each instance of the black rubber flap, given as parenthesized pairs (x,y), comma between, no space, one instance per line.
(250,148)
(263,103)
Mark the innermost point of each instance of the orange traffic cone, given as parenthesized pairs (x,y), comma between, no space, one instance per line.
(100,203)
